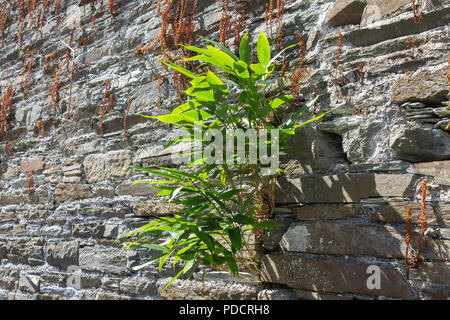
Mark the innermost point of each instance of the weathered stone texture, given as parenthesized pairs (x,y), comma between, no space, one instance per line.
(346,12)
(343,188)
(70,191)
(356,240)
(376,10)
(62,254)
(111,260)
(343,195)
(113,164)
(154,208)
(332,274)
(32,164)
(427,85)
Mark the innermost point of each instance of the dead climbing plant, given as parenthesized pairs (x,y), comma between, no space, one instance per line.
(30,182)
(361,72)
(40,127)
(339,68)
(7,105)
(177,27)
(103,107)
(410,45)
(301,69)
(418,16)
(225,25)
(55,86)
(112,8)
(268,16)
(448,83)
(126,134)
(415,260)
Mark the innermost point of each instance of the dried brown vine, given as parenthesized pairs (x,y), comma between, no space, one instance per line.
(422,223)
(112,8)
(224,27)
(300,71)
(408,232)
(55,86)
(417,15)
(422,218)
(10,148)
(126,134)
(338,55)
(103,107)
(410,45)
(448,83)
(30,182)
(7,106)
(361,72)
(68,51)
(3,22)
(40,127)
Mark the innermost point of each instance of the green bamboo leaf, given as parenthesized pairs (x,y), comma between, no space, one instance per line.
(181,70)
(173,279)
(245,50)
(241,69)
(258,68)
(231,262)
(275,103)
(220,46)
(235,237)
(263,49)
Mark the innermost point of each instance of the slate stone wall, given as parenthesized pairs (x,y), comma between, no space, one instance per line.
(342,201)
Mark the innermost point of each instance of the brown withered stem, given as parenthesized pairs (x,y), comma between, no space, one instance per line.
(280,34)
(48,60)
(41,127)
(31,6)
(126,135)
(44,7)
(361,72)
(415,260)
(408,233)
(159,90)
(103,107)
(68,51)
(338,55)
(176,27)
(10,148)
(57,11)
(448,82)
(300,71)
(224,26)
(112,100)
(6,107)
(3,22)
(55,86)
(410,45)
(25,60)
(30,182)
(417,15)
(239,20)
(422,218)
(268,16)
(26,82)
(112,9)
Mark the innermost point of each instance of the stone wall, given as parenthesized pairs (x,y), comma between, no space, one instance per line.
(342,201)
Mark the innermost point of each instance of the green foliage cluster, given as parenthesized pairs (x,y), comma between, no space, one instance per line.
(223,204)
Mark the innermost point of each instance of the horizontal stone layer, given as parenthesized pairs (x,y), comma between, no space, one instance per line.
(357,240)
(345,188)
(335,275)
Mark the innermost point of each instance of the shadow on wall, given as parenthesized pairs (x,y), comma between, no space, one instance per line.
(340,226)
